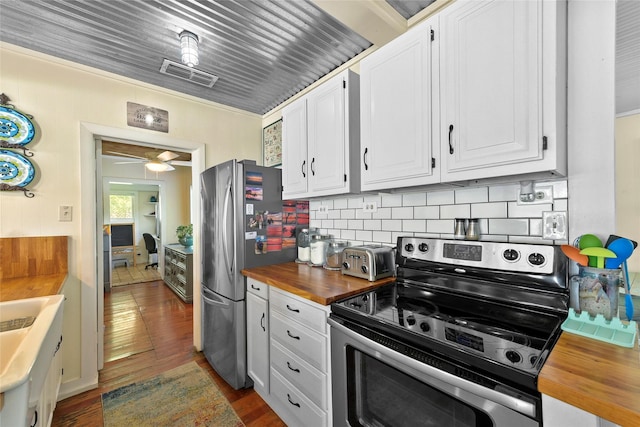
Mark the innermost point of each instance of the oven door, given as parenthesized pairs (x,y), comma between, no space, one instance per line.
(374,385)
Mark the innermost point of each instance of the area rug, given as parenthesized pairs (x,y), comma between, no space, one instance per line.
(184,396)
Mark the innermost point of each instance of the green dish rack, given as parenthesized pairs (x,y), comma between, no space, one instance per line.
(598,328)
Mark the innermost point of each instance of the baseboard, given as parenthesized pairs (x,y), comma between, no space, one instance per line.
(75,387)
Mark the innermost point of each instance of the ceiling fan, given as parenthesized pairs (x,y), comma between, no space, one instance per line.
(154,161)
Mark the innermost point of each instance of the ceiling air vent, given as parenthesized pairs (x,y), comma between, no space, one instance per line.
(183,72)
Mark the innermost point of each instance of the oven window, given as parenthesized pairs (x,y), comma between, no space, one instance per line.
(380,395)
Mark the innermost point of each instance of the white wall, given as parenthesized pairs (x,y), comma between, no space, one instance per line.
(71,105)
(627,172)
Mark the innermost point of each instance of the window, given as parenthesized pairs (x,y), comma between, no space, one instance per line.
(121,207)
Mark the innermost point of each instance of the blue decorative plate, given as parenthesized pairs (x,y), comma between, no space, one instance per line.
(15,127)
(15,169)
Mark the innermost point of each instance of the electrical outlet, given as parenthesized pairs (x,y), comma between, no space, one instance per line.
(65,213)
(554,225)
(370,207)
(323,209)
(539,196)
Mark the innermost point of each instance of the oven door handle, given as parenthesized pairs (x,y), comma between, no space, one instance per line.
(511,402)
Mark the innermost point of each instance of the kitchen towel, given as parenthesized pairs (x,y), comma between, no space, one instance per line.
(184,396)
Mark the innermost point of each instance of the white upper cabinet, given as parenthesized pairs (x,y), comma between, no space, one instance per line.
(320,140)
(399,107)
(502,89)
(294,148)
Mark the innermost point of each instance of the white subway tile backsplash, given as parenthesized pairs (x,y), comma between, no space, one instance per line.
(372,224)
(355,202)
(431,214)
(527,211)
(326,223)
(414,199)
(348,214)
(439,225)
(503,193)
(382,213)
(426,212)
(489,210)
(382,237)
(455,211)
(402,213)
(509,226)
(348,234)
(560,205)
(364,235)
(355,224)
(440,198)
(472,195)
(391,200)
(414,225)
(340,203)
(341,223)
(392,224)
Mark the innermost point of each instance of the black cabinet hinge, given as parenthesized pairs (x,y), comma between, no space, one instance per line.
(344,84)
(433,162)
(282,188)
(544,143)
(345,177)
(433,35)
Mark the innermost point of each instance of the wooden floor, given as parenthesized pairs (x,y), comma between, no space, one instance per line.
(148,330)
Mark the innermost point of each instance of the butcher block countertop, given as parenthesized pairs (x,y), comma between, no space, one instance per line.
(597,377)
(31,287)
(313,283)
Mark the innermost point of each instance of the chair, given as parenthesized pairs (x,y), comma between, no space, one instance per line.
(150,244)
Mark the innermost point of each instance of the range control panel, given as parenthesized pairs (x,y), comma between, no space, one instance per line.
(519,257)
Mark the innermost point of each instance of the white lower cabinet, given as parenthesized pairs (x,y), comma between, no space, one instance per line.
(556,413)
(295,354)
(258,335)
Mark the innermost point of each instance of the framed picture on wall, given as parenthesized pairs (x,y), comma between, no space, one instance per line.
(272,144)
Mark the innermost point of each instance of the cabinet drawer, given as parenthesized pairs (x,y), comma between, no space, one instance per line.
(300,340)
(300,311)
(300,374)
(299,410)
(258,288)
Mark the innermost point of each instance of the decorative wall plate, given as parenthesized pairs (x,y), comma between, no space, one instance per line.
(15,127)
(15,169)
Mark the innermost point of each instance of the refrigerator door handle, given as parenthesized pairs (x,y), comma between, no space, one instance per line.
(225,223)
(210,301)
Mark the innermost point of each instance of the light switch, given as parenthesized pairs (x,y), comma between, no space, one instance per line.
(554,225)
(65,213)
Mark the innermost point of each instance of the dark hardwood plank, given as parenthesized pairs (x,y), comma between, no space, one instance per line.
(149,330)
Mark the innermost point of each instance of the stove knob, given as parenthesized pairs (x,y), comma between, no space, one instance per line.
(536,259)
(411,320)
(364,269)
(513,356)
(408,247)
(532,359)
(511,255)
(425,327)
(345,265)
(423,247)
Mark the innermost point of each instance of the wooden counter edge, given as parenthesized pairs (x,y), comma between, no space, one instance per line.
(574,387)
(31,287)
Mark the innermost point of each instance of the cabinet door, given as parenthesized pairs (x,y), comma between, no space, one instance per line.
(491,73)
(294,149)
(327,141)
(258,341)
(397,98)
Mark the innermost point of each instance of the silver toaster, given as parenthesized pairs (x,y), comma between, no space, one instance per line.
(368,262)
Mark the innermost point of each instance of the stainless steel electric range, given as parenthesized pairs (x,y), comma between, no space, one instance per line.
(457,340)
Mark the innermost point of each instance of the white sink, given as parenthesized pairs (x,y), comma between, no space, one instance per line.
(19,348)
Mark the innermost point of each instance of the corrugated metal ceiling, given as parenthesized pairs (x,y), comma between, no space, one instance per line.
(262,51)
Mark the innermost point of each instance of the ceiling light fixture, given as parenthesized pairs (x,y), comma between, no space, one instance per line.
(158,166)
(189,48)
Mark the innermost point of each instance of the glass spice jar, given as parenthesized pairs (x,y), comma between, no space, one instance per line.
(303,241)
(334,254)
(319,244)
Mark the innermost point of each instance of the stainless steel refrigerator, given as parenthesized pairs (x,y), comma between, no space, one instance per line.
(244,225)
